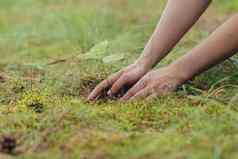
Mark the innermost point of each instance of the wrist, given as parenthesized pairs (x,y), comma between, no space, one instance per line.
(145,62)
(181,71)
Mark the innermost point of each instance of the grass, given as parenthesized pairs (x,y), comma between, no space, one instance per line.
(43,111)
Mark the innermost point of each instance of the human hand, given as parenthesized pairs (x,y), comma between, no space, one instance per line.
(126,77)
(155,83)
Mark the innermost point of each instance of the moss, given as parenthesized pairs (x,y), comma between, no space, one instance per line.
(35,100)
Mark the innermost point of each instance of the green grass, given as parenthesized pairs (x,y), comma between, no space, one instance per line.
(43,111)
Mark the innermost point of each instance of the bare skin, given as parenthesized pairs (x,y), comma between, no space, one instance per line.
(222,44)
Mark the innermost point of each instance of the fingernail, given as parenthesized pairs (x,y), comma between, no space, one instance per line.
(109,93)
(89,97)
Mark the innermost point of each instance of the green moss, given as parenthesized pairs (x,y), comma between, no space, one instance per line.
(34,100)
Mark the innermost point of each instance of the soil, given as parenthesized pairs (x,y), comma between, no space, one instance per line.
(3,77)
(8,144)
(37,107)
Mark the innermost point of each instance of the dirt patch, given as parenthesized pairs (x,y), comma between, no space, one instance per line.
(3,77)
(36,106)
(87,85)
(8,144)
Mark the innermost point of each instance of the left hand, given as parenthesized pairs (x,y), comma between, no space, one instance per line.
(155,83)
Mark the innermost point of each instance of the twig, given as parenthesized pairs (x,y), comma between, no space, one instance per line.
(57,61)
(63,60)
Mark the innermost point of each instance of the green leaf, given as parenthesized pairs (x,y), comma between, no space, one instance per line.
(97,52)
(113,58)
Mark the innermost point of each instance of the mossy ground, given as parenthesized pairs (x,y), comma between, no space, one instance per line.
(43,111)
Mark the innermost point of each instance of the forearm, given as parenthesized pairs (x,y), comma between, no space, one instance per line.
(222,44)
(177,18)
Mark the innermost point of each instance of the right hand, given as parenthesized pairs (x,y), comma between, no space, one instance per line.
(126,77)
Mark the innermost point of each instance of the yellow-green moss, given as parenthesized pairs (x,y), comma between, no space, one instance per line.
(35,100)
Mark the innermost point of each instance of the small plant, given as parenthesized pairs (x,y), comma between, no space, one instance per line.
(100,52)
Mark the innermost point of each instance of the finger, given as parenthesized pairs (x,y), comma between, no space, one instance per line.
(103,85)
(136,88)
(118,85)
(142,94)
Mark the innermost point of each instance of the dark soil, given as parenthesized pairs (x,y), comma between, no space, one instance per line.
(37,107)
(3,78)
(8,144)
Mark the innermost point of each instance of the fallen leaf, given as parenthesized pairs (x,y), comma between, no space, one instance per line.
(97,52)
(113,58)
